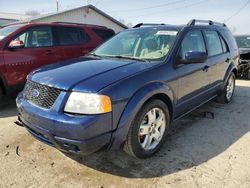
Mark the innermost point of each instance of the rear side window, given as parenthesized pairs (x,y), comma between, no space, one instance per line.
(71,36)
(36,37)
(224,45)
(104,34)
(213,43)
(230,40)
(193,42)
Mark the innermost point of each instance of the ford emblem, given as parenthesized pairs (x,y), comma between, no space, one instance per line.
(35,93)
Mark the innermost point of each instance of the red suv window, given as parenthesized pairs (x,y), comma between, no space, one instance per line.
(104,34)
(71,35)
(36,37)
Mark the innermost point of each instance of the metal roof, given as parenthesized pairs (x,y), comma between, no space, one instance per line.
(36,18)
(12,16)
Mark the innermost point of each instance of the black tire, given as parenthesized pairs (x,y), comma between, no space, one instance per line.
(222,98)
(248,75)
(132,145)
(1,93)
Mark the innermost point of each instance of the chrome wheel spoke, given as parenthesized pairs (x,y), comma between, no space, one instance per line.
(159,122)
(157,136)
(151,116)
(147,141)
(230,88)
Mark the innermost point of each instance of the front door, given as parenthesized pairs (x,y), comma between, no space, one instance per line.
(38,50)
(194,78)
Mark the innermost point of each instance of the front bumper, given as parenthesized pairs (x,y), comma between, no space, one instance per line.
(68,133)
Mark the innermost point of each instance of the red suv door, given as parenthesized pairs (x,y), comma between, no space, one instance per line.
(37,51)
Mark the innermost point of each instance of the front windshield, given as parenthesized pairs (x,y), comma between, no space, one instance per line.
(142,44)
(5,31)
(243,41)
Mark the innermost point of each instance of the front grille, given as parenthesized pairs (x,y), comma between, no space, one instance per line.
(41,95)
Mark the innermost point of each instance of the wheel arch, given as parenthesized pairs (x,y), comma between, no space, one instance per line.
(235,71)
(165,98)
(151,91)
(231,69)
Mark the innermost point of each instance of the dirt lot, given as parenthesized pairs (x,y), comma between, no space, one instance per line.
(200,152)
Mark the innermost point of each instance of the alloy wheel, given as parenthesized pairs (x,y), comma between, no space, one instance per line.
(152,129)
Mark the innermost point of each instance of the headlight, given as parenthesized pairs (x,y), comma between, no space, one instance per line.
(88,103)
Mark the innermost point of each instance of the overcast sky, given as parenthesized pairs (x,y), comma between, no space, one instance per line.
(151,11)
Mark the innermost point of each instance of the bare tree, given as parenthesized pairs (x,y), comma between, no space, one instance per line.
(32,13)
(128,24)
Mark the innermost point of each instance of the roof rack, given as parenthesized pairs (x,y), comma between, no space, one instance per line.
(70,23)
(209,22)
(147,24)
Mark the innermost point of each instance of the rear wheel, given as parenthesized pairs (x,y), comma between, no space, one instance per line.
(149,130)
(228,91)
(248,75)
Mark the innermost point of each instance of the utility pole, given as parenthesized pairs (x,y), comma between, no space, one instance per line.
(57,6)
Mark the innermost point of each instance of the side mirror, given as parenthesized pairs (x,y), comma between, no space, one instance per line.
(194,57)
(14,44)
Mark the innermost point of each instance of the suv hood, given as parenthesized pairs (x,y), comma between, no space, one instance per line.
(86,74)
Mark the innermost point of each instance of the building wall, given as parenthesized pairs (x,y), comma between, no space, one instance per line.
(6,21)
(84,16)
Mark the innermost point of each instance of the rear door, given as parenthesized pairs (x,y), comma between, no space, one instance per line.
(72,41)
(218,54)
(38,50)
(194,78)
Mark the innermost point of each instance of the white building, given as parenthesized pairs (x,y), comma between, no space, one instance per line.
(85,15)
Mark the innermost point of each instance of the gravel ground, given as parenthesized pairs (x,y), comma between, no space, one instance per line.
(200,152)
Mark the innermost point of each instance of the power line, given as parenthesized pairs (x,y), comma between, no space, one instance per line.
(151,7)
(238,11)
(186,6)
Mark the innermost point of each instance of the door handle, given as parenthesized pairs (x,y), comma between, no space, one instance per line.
(227,60)
(205,68)
(49,52)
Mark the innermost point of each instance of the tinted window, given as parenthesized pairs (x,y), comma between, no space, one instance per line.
(193,42)
(71,35)
(213,43)
(230,40)
(36,37)
(104,34)
(224,45)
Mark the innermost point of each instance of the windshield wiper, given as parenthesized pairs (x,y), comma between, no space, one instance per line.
(127,57)
(94,54)
(119,57)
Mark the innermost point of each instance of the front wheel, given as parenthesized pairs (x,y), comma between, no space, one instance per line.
(228,90)
(149,130)
(1,93)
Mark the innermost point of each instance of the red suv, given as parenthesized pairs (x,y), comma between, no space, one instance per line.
(25,47)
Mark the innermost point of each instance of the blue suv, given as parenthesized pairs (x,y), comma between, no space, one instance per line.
(126,93)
